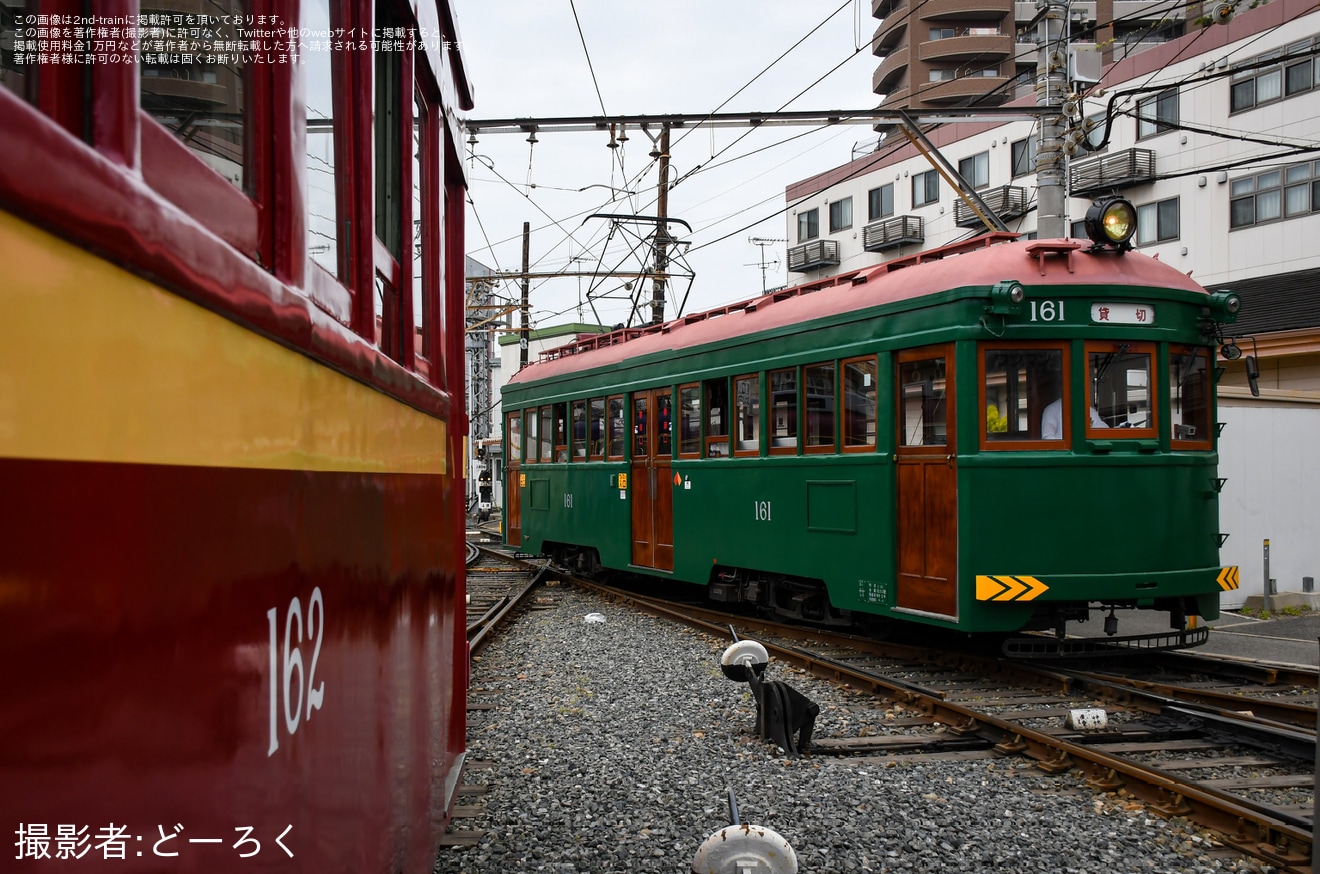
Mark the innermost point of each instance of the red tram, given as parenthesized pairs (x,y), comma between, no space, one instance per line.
(231,430)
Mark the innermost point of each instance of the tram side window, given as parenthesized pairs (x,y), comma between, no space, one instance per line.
(617,428)
(13,76)
(513,437)
(747,393)
(664,425)
(818,406)
(1023,395)
(923,408)
(689,421)
(640,414)
(559,414)
(597,432)
(859,399)
(716,396)
(204,104)
(579,431)
(1121,390)
(784,410)
(1189,395)
(529,417)
(322,216)
(547,433)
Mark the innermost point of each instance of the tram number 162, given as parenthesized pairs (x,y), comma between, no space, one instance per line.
(291,682)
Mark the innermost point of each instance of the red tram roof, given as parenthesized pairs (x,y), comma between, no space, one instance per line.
(982,261)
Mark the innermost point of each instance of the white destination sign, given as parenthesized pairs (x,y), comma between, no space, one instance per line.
(1123,314)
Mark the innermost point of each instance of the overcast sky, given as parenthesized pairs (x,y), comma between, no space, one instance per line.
(526,59)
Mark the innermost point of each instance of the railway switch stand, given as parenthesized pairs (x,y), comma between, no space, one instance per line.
(784,716)
(744,849)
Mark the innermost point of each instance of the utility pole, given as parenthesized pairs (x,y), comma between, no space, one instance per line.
(526,294)
(661,231)
(1051,87)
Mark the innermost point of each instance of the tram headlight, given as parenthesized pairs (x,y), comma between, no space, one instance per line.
(1006,297)
(1111,223)
(1224,306)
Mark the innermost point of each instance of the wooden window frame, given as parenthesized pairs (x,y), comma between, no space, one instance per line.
(685,387)
(573,407)
(771,448)
(1038,444)
(559,432)
(625,440)
(843,405)
(819,448)
(1199,444)
(944,351)
(509,420)
(592,454)
(709,440)
(545,433)
(1155,377)
(735,421)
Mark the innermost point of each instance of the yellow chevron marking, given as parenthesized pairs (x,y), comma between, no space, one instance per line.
(1228,578)
(1008,588)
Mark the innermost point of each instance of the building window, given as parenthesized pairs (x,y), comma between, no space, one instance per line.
(1158,114)
(925,188)
(975,170)
(1099,128)
(1288,193)
(1157,222)
(942,33)
(1024,156)
(880,202)
(1259,82)
(808,225)
(841,215)
(943,75)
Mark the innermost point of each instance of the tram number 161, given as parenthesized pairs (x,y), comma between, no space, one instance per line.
(762,511)
(291,682)
(1047,311)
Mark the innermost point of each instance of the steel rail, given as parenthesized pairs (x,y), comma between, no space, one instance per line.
(1251,829)
(479,634)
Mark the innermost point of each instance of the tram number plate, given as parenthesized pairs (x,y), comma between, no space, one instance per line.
(762,511)
(294,692)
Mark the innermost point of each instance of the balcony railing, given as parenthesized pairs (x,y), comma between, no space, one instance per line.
(1124,168)
(891,233)
(818,253)
(1007,201)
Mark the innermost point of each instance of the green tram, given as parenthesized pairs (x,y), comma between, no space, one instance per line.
(991,437)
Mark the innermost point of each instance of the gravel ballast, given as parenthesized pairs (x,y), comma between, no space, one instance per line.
(613,745)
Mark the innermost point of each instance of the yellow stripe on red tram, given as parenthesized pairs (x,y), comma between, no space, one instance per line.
(98,364)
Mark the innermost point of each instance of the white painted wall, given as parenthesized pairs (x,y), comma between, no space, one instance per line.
(1268,453)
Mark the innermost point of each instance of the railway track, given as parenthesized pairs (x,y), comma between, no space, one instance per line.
(498,584)
(1227,745)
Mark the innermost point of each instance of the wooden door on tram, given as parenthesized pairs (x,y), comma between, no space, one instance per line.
(513,480)
(652,487)
(927,470)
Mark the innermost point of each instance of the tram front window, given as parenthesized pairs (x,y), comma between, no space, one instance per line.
(1023,394)
(1189,394)
(1120,387)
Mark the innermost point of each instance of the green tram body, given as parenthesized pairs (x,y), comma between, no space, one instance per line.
(981,533)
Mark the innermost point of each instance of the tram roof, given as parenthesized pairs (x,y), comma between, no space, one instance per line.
(982,261)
